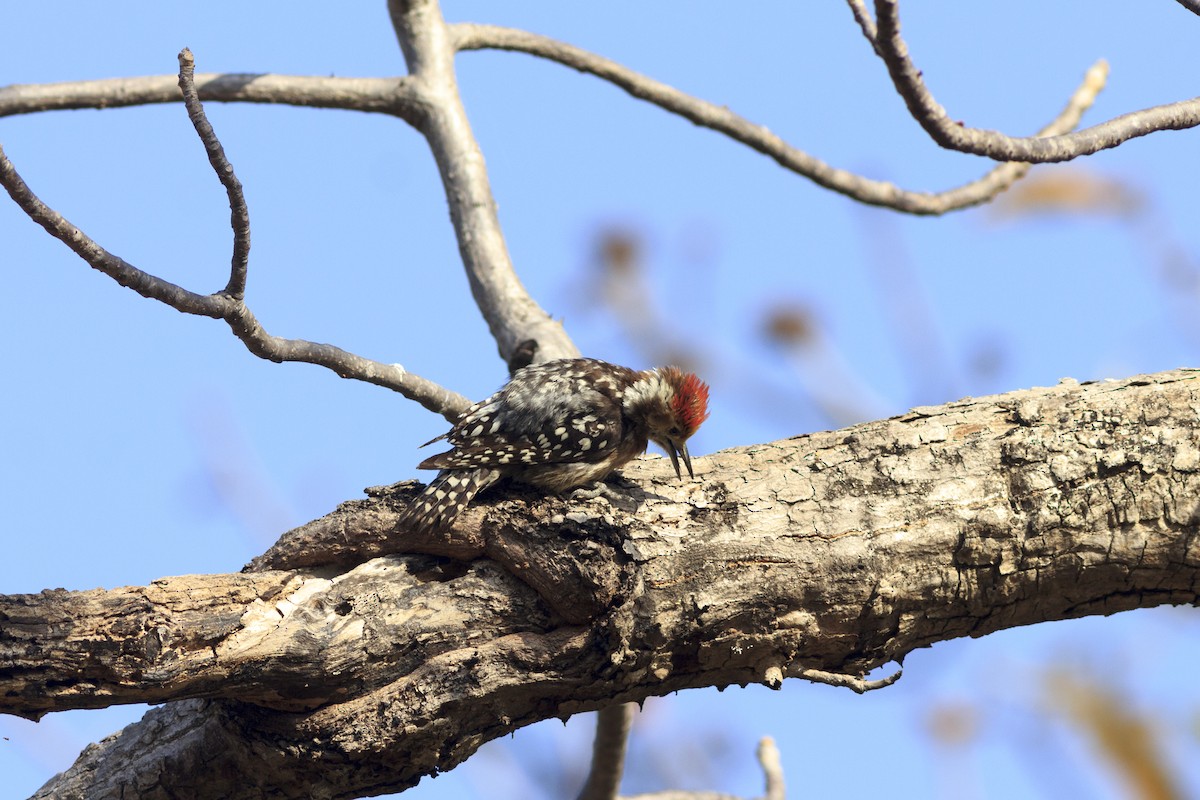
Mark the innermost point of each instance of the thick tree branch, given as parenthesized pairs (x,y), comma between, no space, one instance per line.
(757,137)
(513,317)
(954,135)
(331,678)
(836,552)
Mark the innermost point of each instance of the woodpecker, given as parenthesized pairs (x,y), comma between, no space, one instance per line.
(557,426)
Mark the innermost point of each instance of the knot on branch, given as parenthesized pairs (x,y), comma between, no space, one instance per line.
(572,558)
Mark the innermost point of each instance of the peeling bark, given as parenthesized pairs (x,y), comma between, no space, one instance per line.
(330,670)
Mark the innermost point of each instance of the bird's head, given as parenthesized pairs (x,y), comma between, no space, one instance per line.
(672,404)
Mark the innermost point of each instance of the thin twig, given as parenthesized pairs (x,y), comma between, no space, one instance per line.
(768,759)
(757,137)
(239,214)
(683,794)
(852,682)
(772,767)
(232,310)
(993,144)
(115,267)
(863,17)
(608,752)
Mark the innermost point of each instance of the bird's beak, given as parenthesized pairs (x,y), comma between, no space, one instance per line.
(682,452)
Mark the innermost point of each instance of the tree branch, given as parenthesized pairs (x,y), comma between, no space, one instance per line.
(239,214)
(394,96)
(721,119)
(1037,149)
(97,257)
(608,752)
(513,317)
(833,553)
(232,309)
(768,758)
(854,683)
(429,100)
(859,9)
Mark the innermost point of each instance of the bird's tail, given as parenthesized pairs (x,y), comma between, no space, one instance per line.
(445,497)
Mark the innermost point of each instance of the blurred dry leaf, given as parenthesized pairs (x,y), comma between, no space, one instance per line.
(953,724)
(1072,191)
(1126,740)
(619,251)
(616,279)
(792,325)
(618,284)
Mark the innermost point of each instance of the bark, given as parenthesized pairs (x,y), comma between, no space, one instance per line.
(330,670)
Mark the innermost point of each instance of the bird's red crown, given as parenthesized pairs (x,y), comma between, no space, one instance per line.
(690,403)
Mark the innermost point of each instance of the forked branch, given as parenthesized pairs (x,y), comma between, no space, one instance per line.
(512,315)
(721,119)
(954,135)
(227,304)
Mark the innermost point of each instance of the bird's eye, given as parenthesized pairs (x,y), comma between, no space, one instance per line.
(674,431)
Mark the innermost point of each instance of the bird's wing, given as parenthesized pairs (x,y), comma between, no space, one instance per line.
(480,442)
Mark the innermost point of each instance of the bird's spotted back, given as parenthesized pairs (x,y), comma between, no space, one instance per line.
(557,411)
(559,425)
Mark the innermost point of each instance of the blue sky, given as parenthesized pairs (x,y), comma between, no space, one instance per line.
(143,443)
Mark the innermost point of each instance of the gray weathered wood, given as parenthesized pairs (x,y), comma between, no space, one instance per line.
(838,551)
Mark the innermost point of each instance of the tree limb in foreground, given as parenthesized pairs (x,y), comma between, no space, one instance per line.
(834,552)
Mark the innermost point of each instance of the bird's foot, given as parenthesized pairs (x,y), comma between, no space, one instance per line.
(597,490)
